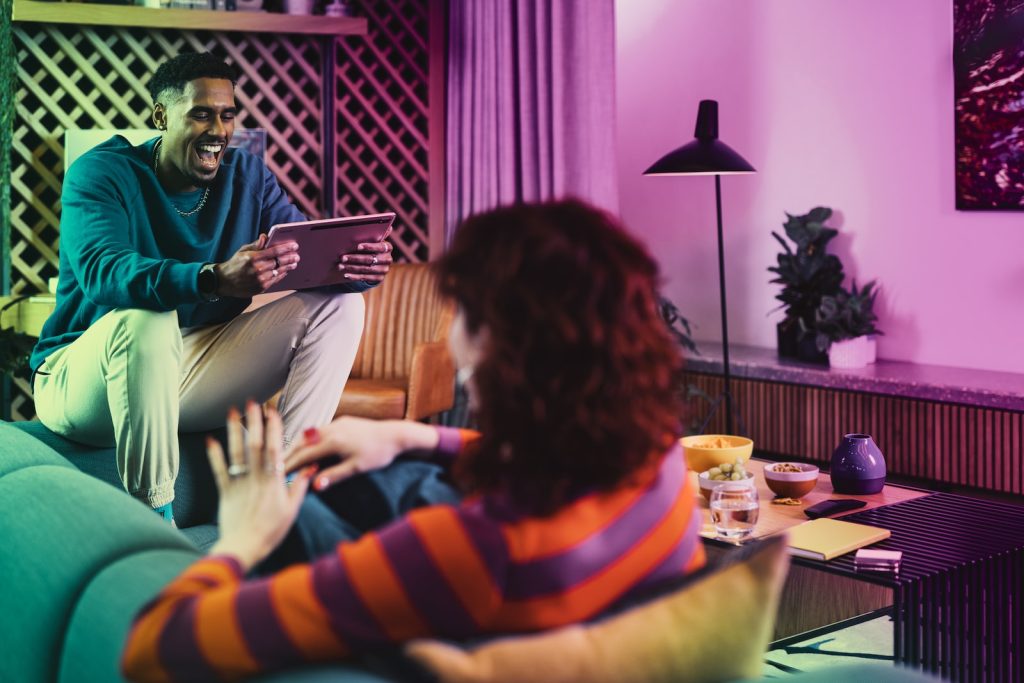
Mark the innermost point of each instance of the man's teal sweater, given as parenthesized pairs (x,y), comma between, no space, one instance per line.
(122,244)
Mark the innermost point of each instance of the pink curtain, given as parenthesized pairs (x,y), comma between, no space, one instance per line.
(531,103)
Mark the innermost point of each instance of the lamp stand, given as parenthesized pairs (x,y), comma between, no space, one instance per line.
(726,396)
(727,393)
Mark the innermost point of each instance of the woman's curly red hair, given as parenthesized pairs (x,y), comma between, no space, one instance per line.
(578,383)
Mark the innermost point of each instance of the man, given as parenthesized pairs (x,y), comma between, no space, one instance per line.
(162,247)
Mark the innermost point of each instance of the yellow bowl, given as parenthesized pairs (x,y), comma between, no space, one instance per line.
(702,458)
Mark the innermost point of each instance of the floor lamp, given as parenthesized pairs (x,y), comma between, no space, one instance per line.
(707,155)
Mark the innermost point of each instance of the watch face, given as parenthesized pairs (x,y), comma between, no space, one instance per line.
(207,280)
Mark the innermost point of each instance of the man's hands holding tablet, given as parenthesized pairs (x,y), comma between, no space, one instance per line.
(369,264)
(255,267)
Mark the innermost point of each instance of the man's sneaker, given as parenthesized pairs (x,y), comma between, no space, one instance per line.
(167,512)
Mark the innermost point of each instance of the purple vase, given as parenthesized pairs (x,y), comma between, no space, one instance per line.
(858,467)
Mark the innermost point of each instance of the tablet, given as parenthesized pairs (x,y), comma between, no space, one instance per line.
(322,242)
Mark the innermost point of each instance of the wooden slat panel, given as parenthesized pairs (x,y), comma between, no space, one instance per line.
(940,442)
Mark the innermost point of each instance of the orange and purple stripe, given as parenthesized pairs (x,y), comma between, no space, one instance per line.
(624,535)
(269,643)
(427,587)
(349,617)
(180,653)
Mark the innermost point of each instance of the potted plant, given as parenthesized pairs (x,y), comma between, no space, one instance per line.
(807,273)
(15,348)
(691,393)
(844,326)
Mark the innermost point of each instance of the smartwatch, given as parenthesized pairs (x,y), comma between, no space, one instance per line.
(207,282)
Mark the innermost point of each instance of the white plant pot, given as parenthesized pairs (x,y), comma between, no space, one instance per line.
(852,353)
(871,349)
(298,6)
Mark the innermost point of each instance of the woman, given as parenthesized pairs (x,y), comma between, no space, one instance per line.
(577,495)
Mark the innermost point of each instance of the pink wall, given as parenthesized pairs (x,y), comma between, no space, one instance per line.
(836,103)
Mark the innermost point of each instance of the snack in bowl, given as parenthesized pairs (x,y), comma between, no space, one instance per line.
(704,451)
(733,473)
(790,479)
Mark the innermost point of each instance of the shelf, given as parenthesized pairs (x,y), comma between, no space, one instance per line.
(916,381)
(189,19)
(29,315)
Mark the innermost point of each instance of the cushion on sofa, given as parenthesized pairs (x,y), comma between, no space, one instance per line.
(60,529)
(713,629)
(100,619)
(195,493)
(19,448)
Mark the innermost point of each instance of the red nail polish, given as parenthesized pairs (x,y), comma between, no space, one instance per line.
(312,435)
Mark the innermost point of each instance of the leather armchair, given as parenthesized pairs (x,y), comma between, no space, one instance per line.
(402,368)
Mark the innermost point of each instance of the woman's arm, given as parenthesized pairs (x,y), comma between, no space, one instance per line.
(364,445)
(437,571)
(434,573)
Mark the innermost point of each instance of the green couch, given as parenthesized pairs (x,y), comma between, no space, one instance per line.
(79,559)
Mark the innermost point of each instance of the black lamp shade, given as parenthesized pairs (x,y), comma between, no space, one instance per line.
(706,155)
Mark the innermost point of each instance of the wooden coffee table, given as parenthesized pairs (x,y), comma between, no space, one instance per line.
(958,600)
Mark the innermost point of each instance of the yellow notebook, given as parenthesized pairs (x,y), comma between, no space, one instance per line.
(825,538)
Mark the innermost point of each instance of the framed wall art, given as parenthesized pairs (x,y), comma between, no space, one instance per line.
(988,63)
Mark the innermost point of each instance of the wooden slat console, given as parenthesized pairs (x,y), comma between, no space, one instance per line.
(943,425)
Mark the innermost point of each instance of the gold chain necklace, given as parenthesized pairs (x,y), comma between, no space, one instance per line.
(202,200)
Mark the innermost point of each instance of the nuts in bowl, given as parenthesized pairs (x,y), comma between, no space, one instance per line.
(790,479)
(704,451)
(733,473)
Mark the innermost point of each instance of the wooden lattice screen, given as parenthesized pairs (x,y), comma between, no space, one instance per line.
(381,122)
(373,153)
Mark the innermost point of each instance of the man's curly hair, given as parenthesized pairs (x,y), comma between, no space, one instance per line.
(173,74)
(578,386)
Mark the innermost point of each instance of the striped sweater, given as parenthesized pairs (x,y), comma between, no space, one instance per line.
(440,571)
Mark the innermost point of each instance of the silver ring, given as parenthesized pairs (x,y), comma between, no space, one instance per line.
(373,261)
(238,471)
(274,272)
(277,264)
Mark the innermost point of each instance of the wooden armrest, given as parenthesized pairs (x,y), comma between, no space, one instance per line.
(431,380)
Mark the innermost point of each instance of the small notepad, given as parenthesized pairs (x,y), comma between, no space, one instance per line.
(825,538)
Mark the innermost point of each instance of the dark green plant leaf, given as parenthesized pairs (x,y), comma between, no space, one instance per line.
(677,325)
(15,348)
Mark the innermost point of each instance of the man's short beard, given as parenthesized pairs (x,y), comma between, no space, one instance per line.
(203,182)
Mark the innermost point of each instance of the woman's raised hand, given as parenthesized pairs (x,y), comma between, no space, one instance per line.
(363,445)
(256,507)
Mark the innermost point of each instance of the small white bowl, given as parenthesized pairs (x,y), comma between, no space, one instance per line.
(791,484)
(706,483)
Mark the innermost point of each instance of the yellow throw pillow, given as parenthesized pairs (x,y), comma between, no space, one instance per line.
(715,629)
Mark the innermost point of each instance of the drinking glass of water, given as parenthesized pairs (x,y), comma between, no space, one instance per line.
(734,508)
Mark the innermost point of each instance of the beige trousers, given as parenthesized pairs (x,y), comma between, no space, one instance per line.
(133,379)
